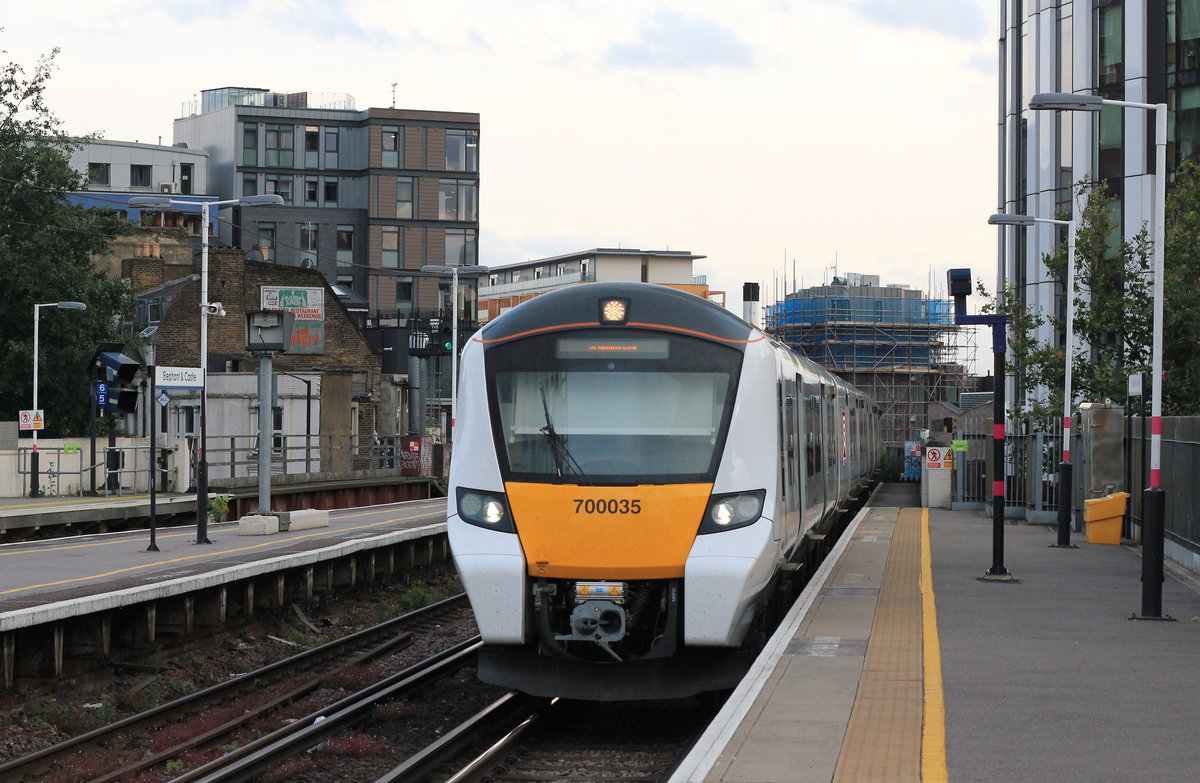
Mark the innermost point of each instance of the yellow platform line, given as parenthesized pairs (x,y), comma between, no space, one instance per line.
(933,732)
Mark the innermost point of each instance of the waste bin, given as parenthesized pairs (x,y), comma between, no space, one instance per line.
(1103,517)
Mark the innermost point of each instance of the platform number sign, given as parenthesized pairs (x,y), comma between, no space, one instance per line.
(101,394)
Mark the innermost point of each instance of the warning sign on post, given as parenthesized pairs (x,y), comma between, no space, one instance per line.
(32,420)
(938,458)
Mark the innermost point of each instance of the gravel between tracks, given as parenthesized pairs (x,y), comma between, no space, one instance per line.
(35,718)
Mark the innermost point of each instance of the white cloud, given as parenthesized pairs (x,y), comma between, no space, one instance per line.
(740,131)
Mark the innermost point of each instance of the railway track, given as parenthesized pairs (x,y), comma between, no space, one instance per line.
(244,699)
(524,740)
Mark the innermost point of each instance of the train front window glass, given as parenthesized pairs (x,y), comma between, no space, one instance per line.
(623,409)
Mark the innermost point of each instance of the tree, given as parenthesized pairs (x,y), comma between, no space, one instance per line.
(1112,317)
(1181,311)
(46,247)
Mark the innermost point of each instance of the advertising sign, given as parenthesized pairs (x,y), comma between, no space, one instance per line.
(308,305)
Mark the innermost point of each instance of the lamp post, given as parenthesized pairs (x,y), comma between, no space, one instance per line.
(1153,497)
(206,309)
(1065,469)
(454,272)
(34,467)
(149,352)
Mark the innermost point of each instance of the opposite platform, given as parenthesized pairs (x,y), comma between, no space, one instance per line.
(43,581)
(1041,679)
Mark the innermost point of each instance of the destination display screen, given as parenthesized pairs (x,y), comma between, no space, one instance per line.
(623,348)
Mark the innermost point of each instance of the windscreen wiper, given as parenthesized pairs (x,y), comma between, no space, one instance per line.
(562,457)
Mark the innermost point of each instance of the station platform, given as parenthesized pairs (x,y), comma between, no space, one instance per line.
(76,575)
(71,605)
(898,663)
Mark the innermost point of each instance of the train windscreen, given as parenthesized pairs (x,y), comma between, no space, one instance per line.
(614,407)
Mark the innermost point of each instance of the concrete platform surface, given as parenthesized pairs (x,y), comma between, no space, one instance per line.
(77,569)
(900,664)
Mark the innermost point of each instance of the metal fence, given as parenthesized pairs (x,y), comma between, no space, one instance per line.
(1030,474)
(1180,477)
(127,469)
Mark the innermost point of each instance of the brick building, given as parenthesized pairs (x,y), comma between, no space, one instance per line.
(329,384)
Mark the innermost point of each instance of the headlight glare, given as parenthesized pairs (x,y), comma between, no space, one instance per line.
(733,510)
(484,509)
(722,512)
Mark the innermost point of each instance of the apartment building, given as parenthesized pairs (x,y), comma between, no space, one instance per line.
(370,196)
(507,286)
(1145,52)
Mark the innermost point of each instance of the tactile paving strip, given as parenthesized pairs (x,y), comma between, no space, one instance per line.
(883,738)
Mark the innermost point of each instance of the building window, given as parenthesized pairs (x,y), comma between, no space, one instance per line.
(98,174)
(249,145)
(185,178)
(250,185)
(279,146)
(309,238)
(460,247)
(141,176)
(331,192)
(405,198)
(312,146)
(346,281)
(462,150)
(331,148)
(393,140)
(266,239)
(404,294)
(345,246)
(310,192)
(153,310)
(583,270)
(281,185)
(390,256)
(456,199)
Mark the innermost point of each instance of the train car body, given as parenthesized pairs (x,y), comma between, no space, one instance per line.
(633,468)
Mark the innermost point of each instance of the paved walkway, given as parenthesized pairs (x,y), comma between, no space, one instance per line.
(905,666)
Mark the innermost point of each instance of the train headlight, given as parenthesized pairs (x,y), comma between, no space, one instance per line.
(733,510)
(485,509)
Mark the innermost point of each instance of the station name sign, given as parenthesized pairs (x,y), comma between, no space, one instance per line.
(178,378)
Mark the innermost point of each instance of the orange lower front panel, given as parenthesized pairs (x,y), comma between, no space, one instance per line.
(583,532)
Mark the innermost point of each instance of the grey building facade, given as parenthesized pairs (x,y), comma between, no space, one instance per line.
(370,196)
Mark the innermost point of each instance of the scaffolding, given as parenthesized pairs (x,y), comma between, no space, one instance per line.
(892,342)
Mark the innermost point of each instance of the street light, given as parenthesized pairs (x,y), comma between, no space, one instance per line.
(206,309)
(1153,498)
(454,272)
(1064,468)
(34,488)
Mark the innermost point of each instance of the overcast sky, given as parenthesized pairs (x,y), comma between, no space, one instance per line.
(757,133)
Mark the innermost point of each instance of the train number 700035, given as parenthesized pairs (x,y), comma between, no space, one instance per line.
(613,506)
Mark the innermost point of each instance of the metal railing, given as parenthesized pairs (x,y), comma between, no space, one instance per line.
(50,470)
(120,469)
(1030,473)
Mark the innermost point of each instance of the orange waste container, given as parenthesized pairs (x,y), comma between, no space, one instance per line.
(1103,517)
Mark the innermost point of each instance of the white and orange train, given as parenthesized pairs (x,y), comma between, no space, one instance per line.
(634,467)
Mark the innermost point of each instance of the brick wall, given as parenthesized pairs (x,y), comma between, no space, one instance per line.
(236,283)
